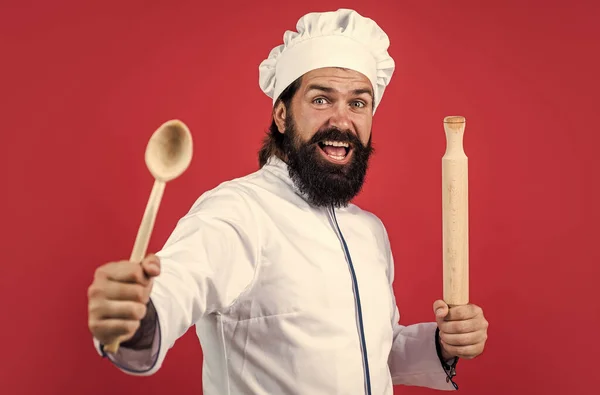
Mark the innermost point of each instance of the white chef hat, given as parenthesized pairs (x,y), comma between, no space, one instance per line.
(342,38)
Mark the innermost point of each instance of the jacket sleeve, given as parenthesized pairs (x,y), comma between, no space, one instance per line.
(414,360)
(209,260)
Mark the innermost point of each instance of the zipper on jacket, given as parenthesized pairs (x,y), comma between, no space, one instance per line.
(361,330)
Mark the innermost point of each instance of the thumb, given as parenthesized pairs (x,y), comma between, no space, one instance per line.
(440,308)
(151,266)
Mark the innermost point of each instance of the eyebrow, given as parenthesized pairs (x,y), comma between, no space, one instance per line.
(327,89)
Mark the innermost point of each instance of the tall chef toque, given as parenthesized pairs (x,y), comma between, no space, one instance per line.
(342,38)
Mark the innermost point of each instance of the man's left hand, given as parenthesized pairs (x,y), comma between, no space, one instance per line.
(463,330)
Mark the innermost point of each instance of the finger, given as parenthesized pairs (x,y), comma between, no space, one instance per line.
(464,352)
(452,327)
(464,312)
(123,271)
(107,331)
(111,309)
(127,292)
(463,339)
(113,290)
(440,309)
(151,266)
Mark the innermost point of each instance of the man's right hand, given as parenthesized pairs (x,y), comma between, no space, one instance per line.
(118,298)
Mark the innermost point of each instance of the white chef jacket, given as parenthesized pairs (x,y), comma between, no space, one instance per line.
(286,298)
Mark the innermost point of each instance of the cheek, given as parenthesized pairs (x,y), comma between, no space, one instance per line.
(306,125)
(364,133)
(365,138)
(304,132)
(309,129)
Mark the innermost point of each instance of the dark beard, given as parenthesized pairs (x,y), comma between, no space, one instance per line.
(322,182)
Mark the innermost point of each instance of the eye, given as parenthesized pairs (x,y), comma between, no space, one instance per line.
(320,100)
(358,103)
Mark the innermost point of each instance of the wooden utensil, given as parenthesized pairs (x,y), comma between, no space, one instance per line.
(168,154)
(455,213)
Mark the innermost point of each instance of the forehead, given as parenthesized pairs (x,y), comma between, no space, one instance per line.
(338,78)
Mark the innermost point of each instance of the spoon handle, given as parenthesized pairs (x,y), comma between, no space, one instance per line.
(144,232)
(143,236)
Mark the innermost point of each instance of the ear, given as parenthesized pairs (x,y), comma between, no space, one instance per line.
(279,114)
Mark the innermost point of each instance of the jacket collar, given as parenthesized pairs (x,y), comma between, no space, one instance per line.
(280,169)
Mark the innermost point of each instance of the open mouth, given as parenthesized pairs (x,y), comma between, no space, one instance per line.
(336,151)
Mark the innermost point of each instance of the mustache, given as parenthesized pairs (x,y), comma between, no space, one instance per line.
(335,135)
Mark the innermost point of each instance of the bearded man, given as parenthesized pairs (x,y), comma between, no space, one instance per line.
(288,283)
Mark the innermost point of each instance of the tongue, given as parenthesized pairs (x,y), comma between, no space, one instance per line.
(335,151)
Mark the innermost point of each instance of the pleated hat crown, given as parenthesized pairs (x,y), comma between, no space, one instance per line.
(341,38)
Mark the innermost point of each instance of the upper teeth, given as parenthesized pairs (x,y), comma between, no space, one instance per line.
(336,143)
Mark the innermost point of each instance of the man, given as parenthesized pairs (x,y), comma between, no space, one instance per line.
(288,284)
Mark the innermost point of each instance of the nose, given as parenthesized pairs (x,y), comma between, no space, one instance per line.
(341,118)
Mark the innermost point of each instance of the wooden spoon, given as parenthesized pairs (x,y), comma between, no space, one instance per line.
(168,154)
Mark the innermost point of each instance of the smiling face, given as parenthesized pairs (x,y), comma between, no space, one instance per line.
(327,134)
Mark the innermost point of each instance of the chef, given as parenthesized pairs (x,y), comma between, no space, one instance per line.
(287,283)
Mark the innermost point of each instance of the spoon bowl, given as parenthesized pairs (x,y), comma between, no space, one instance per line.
(169,150)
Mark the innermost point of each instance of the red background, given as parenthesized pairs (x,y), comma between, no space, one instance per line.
(83,87)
